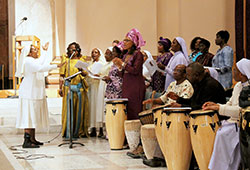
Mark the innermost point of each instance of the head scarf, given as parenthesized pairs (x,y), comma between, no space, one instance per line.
(136,37)
(146,72)
(243,66)
(110,49)
(102,57)
(165,42)
(20,67)
(182,43)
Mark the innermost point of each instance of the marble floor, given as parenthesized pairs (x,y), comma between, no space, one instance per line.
(95,155)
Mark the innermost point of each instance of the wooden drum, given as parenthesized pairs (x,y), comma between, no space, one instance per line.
(203,127)
(132,131)
(176,136)
(146,117)
(116,114)
(158,124)
(245,137)
(149,140)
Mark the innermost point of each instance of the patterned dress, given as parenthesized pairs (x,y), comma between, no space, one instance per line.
(158,79)
(223,60)
(114,87)
(185,90)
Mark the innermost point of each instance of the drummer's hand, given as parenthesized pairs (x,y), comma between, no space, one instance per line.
(175,105)
(172,95)
(147,101)
(210,106)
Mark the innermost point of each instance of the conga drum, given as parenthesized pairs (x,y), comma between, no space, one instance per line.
(245,137)
(146,117)
(203,127)
(176,136)
(132,132)
(148,139)
(158,124)
(116,114)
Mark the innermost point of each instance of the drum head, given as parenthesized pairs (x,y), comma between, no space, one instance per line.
(202,112)
(170,110)
(116,101)
(158,108)
(145,112)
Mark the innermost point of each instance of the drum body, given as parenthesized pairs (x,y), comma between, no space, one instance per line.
(115,117)
(158,124)
(132,132)
(176,136)
(146,117)
(148,139)
(203,127)
(245,137)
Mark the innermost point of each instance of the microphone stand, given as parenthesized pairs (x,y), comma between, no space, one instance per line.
(70,113)
(15,96)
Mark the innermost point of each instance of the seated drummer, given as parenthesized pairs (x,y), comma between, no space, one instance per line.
(181,87)
(226,152)
(205,87)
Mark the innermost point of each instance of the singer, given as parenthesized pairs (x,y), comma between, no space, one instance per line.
(32,106)
(78,93)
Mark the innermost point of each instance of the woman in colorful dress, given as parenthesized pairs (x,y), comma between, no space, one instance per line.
(79,98)
(158,78)
(133,86)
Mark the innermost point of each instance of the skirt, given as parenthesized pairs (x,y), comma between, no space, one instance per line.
(32,114)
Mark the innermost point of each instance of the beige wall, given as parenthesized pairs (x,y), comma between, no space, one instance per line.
(195,18)
(96,23)
(100,22)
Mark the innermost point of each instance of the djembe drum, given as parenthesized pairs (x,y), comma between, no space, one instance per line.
(146,117)
(148,139)
(245,137)
(203,127)
(158,124)
(116,114)
(176,136)
(132,132)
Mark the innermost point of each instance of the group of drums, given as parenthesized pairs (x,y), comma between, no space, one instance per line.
(179,131)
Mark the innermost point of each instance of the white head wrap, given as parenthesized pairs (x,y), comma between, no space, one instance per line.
(102,57)
(244,66)
(182,43)
(24,53)
(145,71)
(110,48)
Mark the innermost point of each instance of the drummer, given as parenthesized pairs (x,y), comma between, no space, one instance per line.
(181,87)
(205,87)
(226,152)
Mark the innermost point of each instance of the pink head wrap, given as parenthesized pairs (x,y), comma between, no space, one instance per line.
(136,37)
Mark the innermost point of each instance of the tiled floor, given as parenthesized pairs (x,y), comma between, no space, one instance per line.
(95,155)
